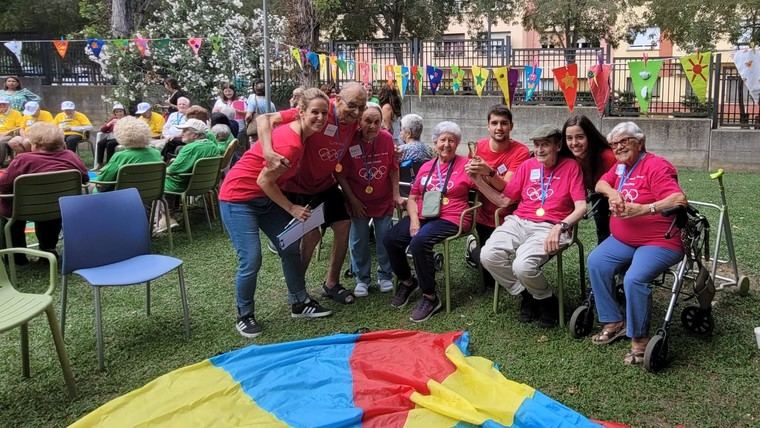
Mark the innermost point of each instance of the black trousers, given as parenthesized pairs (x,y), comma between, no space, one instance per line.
(47,235)
(72,141)
(106,147)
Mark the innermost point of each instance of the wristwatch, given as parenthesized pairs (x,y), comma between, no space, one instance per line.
(565,226)
(652,209)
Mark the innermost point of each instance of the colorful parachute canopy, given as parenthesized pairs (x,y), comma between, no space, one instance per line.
(383,379)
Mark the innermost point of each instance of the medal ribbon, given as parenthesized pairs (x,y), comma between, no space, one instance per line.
(337,134)
(627,175)
(365,160)
(545,187)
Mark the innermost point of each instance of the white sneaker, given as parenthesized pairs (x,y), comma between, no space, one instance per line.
(385,285)
(361,290)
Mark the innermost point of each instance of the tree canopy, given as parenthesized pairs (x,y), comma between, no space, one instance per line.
(567,22)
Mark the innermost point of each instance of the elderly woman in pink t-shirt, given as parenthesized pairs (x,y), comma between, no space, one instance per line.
(550,196)
(639,187)
(438,197)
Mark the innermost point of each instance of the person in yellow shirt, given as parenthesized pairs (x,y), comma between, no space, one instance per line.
(32,114)
(10,124)
(154,120)
(73,123)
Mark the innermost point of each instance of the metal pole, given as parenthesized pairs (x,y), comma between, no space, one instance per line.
(267,77)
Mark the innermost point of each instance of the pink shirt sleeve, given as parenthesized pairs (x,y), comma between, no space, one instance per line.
(577,189)
(610,177)
(666,177)
(513,189)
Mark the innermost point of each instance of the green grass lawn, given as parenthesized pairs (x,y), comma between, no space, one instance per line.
(710,383)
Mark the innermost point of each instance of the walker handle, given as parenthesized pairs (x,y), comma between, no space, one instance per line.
(717,174)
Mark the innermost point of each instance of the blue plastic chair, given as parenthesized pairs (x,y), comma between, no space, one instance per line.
(106,242)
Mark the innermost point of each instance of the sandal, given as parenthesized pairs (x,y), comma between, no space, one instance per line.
(607,336)
(339,294)
(634,357)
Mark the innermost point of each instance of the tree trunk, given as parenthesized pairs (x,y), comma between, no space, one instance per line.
(122,18)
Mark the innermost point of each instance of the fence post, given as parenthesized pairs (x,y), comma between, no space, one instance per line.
(716,66)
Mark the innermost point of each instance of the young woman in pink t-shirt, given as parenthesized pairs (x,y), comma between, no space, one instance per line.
(369,180)
(639,187)
(551,199)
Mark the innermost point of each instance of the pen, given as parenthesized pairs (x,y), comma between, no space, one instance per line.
(308,207)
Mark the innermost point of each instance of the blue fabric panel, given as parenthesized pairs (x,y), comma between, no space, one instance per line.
(542,411)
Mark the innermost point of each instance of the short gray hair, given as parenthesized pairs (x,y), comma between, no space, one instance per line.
(221,131)
(447,127)
(627,129)
(413,124)
(228,111)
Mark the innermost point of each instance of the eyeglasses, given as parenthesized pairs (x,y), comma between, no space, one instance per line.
(354,106)
(625,142)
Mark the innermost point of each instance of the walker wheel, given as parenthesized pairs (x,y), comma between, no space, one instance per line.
(697,320)
(656,354)
(438,262)
(581,322)
(743,284)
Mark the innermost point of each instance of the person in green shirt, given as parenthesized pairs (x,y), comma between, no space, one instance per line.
(134,135)
(197,146)
(222,136)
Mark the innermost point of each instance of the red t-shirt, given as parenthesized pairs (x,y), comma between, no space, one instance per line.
(323,151)
(564,186)
(653,179)
(370,164)
(590,177)
(502,162)
(240,183)
(458,186)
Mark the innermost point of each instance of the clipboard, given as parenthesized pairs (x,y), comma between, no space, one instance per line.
(296,230)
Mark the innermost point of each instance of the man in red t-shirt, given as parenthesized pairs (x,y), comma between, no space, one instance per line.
(496,159)
(314,182)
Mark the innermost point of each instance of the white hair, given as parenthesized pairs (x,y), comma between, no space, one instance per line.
(627,129)
(412,123)
(447,127)
(221,131)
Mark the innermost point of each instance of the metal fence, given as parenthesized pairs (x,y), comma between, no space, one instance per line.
(40,59)
(735,105)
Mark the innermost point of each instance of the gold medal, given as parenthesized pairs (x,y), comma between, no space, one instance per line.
(445,201)
(338,167)
(368,190)
(540,212)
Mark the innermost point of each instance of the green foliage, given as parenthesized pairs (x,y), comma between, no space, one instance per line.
(97,16)
(51,18)
(565,22)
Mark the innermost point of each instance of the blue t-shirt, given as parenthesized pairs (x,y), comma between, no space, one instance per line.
(258,104)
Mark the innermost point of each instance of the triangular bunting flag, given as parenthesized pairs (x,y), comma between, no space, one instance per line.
(513,77)
(296,54)
(644,75)
(375,71)
(342,66)
(435,75)
(95,46)
(323,72)
(532,80)
(457,77)
(158,43)
(120,43)
(313,59)
(697,68)
(479,78)
(334,67)
(351,65)
(142,44)
(195,44)
(500,73)
(216,43)
(567,77)
(364,73)
(418,80)
(599,82)
(61,46)
(15,47)
(404,80)
(390,74)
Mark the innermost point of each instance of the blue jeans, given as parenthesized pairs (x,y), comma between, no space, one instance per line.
(361,262)
(242,221)
(646,263)
(420,246)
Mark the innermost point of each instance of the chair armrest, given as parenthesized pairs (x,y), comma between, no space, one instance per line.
(42,254)
(6,195)
(497,215)
(101,182)
(462,215)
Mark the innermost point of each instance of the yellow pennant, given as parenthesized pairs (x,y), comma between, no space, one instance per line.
(479,78)
(502,78)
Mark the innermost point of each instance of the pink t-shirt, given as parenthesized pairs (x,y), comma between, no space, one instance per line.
(563,184)
(653,179)
(369,164)
(503,163)
(240,183)
(324,150)
(458,186)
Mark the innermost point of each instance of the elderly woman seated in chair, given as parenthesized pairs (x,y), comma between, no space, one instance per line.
(639,187)
(550,199)
(134,135)
(48,154)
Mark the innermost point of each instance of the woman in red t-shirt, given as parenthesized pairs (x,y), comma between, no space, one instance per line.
(250,199)
(594,155)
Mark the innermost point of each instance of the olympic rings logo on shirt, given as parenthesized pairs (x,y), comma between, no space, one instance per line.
(374,173)
(629,195)
(534,193)
(328,155)
(434,185)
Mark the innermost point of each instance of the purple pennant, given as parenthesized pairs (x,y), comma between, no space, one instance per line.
(513,76)
(313,59)
(435,75)
(95,45)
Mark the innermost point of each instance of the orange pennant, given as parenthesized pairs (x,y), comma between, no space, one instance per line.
(61,46)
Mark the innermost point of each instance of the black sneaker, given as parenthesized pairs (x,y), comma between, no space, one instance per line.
(248,327)
(549,312)
(426,308)
(403,293)
(528,307)
(309,309)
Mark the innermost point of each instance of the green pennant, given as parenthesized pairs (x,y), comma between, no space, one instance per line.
(161,43)
(342,65)
(216,43)
(121,43)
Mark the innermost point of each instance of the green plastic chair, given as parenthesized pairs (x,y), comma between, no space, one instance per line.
(17,309)
(148,179)
(560,271)
(203,181)
(35,198)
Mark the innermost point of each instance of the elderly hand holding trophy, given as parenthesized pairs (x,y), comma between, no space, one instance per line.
(476,166)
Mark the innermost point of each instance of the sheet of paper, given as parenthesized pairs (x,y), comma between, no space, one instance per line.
(296,230)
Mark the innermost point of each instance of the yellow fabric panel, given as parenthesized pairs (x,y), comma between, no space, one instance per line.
(200,395)
(42,116)
(10,120)
(474,393)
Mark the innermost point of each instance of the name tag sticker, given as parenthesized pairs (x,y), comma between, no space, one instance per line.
(501,169)
(620,170)
(355,151)
(535,174)
(331,130)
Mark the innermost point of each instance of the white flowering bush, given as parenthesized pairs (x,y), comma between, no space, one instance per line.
(235,56)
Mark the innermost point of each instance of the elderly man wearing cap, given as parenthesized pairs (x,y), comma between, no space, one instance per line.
(197,146)
(73,124)
(11,122)
(154,120)
(32,114)
(550,199)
